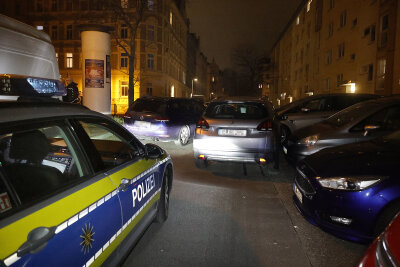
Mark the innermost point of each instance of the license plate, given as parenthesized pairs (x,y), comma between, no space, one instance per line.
(298,193)
(284,150)
(230,132)
(142,124)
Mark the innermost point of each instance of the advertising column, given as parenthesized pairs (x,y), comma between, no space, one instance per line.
(96,67)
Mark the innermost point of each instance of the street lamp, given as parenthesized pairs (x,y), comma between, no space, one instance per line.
(194,79)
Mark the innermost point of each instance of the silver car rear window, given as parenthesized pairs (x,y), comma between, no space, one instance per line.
(247,111)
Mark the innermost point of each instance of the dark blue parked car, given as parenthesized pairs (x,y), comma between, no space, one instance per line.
(164,118)
(351,191)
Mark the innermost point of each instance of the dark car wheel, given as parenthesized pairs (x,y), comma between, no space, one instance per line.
(285,132)
(386,217)
(200,163)
(163,204)
(184,136)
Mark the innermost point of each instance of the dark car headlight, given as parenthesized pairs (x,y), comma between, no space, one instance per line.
(349,183)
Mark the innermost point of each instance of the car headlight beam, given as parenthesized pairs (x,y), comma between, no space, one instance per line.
(309,140)
(349,183)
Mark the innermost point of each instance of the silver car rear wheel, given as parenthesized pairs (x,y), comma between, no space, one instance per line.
(184,135)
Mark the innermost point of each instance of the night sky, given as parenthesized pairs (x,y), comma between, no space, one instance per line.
(225,24)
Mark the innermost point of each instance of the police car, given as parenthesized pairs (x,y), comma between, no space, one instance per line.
(76,188)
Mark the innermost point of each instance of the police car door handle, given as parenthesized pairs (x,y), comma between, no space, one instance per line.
(37,239)
(124,184)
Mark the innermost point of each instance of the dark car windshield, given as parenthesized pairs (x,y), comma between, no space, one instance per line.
(236,110)
(349,114)
(149,105)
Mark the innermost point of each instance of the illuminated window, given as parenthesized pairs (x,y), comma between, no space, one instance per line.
(54,32)
(150,32)
(124,60)
(57,56)
(124,31)
(298,20)
(150,61)
(69,32)
(170,17)
(39,27)
(70,61)
(381,73)
(124,3)
(309,5)
(172,91)
(124,88)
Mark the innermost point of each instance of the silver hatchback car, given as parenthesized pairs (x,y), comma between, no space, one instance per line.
(239,130)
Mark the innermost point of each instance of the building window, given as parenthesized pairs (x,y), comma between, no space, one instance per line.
(150,4)
(69,32)
(150,61)
(149,89)
(68,5)
(54,5)
(57,56)
(341,50)
(329,57)
(39,27)
(339,79)
(330,29)
(84,5)
(327,84)
(331,4)
(353,56)
(124,88)
(355,21)
(54,32)
(150,32)
(309,5)
(70,61)
(381,73)
(372,33)
(170,17)
(370,72)
(124,60)
(39,5)
(124,3)
(343,18)
(124,31)
(384,30)
(298,20)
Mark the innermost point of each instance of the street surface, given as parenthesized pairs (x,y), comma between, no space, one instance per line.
(221,217)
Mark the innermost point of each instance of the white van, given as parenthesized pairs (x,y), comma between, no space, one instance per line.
(28,63)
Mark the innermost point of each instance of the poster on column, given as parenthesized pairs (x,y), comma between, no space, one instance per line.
(94,73)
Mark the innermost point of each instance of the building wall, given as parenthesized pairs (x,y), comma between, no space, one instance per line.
(337,46)
(160,56)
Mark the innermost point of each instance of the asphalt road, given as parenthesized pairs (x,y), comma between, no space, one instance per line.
(224,216)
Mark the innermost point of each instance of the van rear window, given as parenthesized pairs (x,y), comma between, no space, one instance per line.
(246,111)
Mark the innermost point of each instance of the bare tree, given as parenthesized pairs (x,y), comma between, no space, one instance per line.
(130,13)
(249,64)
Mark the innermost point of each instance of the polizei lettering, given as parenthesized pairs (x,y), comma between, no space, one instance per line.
(141,191)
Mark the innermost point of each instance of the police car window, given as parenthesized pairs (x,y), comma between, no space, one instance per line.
(7,202)
(38,162)
(114,150)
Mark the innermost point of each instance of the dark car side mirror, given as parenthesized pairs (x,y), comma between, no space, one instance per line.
(153,151)
(368,128)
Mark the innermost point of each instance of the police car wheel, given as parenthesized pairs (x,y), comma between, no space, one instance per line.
(163,203)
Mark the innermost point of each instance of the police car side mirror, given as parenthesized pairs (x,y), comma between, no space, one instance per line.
(153,151)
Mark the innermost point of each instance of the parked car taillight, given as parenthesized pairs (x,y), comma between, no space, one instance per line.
(265,126)
(161,118)
(202,123)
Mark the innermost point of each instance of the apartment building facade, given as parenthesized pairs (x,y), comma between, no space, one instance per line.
(161,49)
(337,46)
